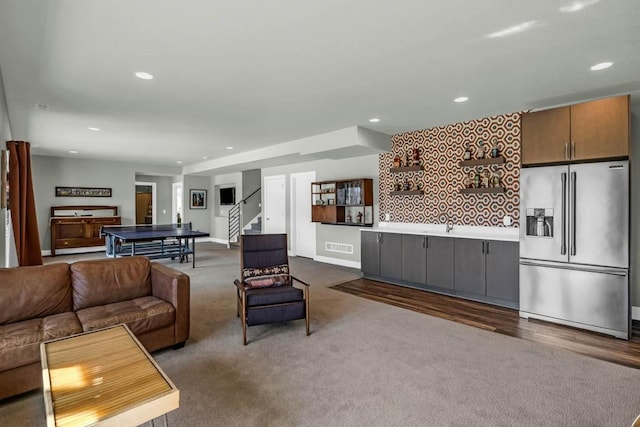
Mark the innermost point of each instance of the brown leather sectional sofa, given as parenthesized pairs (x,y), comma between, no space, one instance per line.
(56,300)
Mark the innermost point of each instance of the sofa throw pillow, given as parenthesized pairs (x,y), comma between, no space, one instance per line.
(267,276)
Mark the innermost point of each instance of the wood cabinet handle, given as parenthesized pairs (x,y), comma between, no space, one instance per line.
(566,151)
(573,149)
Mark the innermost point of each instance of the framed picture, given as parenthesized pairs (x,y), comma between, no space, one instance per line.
(83,192)
(198,199)
(3,181)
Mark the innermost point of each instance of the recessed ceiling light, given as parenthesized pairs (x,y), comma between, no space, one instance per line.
(42,107)
(35,145)
(205,157)
(601,66)
(461,99)
(94,129)
(73,152)
(179,162)
(144,76)
(514,29)
(229,148)
(374,120)
(575,6)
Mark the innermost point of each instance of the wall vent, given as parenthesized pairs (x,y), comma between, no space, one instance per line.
(338,247)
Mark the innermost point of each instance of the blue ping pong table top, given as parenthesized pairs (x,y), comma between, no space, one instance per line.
(145,232)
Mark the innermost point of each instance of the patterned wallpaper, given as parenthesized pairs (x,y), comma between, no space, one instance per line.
(440,150)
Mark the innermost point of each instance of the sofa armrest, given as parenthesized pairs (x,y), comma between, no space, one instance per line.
(173,286)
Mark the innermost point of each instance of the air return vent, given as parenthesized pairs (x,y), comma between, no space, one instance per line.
(338,247)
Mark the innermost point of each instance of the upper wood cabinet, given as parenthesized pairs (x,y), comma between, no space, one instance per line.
(588,131)
(347,202)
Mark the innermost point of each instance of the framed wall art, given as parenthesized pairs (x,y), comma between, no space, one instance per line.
(198,199)
(3,180)
(83,192)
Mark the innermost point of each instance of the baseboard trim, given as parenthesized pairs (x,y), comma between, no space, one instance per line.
(337,261)
(635,313)
(72,251)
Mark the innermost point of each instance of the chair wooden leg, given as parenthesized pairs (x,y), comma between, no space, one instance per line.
(244,318)
(306,308)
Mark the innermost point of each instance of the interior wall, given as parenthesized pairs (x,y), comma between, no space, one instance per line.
(220,217)
(5,134)
(440,150)
(635,203)
(358,167)
(49,172)
(163,195)
(250,183)
(200,218)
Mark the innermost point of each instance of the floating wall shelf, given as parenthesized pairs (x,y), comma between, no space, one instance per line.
(478,162)
(406,169)
(481,190)
(407,193)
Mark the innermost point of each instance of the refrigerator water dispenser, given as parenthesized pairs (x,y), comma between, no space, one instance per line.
(539,222)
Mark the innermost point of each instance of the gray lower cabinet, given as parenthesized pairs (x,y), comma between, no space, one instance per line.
(414,259)
(370,253)
(502,273)
(470,266)
(391,255)
(427,260)
(381,254)
(440,260)
(487,268)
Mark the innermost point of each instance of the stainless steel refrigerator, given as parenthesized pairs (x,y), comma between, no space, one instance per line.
(574,245)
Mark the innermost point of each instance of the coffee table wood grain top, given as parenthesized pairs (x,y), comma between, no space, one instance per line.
(103,377)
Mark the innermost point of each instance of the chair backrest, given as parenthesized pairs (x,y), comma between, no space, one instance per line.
(263,250)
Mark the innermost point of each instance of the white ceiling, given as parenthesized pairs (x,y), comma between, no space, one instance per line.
(250,74)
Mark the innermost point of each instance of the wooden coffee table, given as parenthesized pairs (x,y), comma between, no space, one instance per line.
(103,377)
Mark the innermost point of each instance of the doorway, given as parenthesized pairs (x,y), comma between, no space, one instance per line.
(274,204)
(303,231)
(146,202)
(176,201)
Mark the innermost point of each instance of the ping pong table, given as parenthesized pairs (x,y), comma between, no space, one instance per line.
(152,241)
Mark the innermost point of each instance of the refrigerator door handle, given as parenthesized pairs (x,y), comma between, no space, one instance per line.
(563,223)
(614,272)
(573,213)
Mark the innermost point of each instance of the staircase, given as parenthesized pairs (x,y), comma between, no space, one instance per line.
(254,227)
(235,221)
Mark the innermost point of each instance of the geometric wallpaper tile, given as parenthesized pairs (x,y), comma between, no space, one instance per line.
(440,149)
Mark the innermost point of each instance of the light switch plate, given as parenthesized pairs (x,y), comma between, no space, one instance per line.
(507,220)
(387,217)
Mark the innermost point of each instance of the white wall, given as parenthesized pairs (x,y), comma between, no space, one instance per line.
(326,170)
(8,255)
(200,218)
(163,197)
(49,172)
(220,217)
(635,204)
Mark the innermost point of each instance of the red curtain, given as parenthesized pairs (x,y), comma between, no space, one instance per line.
(22,204)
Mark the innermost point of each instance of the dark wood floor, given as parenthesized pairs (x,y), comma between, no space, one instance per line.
(500,320)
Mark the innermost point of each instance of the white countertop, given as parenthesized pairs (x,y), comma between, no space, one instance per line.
(507,234)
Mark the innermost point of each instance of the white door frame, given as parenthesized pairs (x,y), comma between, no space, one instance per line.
(294,208)
(265,201)
(154,199)
(174,200)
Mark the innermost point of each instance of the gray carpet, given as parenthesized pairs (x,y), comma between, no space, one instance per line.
(365,363)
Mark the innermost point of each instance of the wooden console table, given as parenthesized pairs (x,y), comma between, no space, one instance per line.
(76,226)
(103,377)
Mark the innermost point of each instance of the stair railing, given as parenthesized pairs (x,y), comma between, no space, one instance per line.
(235,218)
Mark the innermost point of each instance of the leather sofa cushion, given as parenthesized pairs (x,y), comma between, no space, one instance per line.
(107,281)
(273,295)
(20,341)
(35,291)
(140,314)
